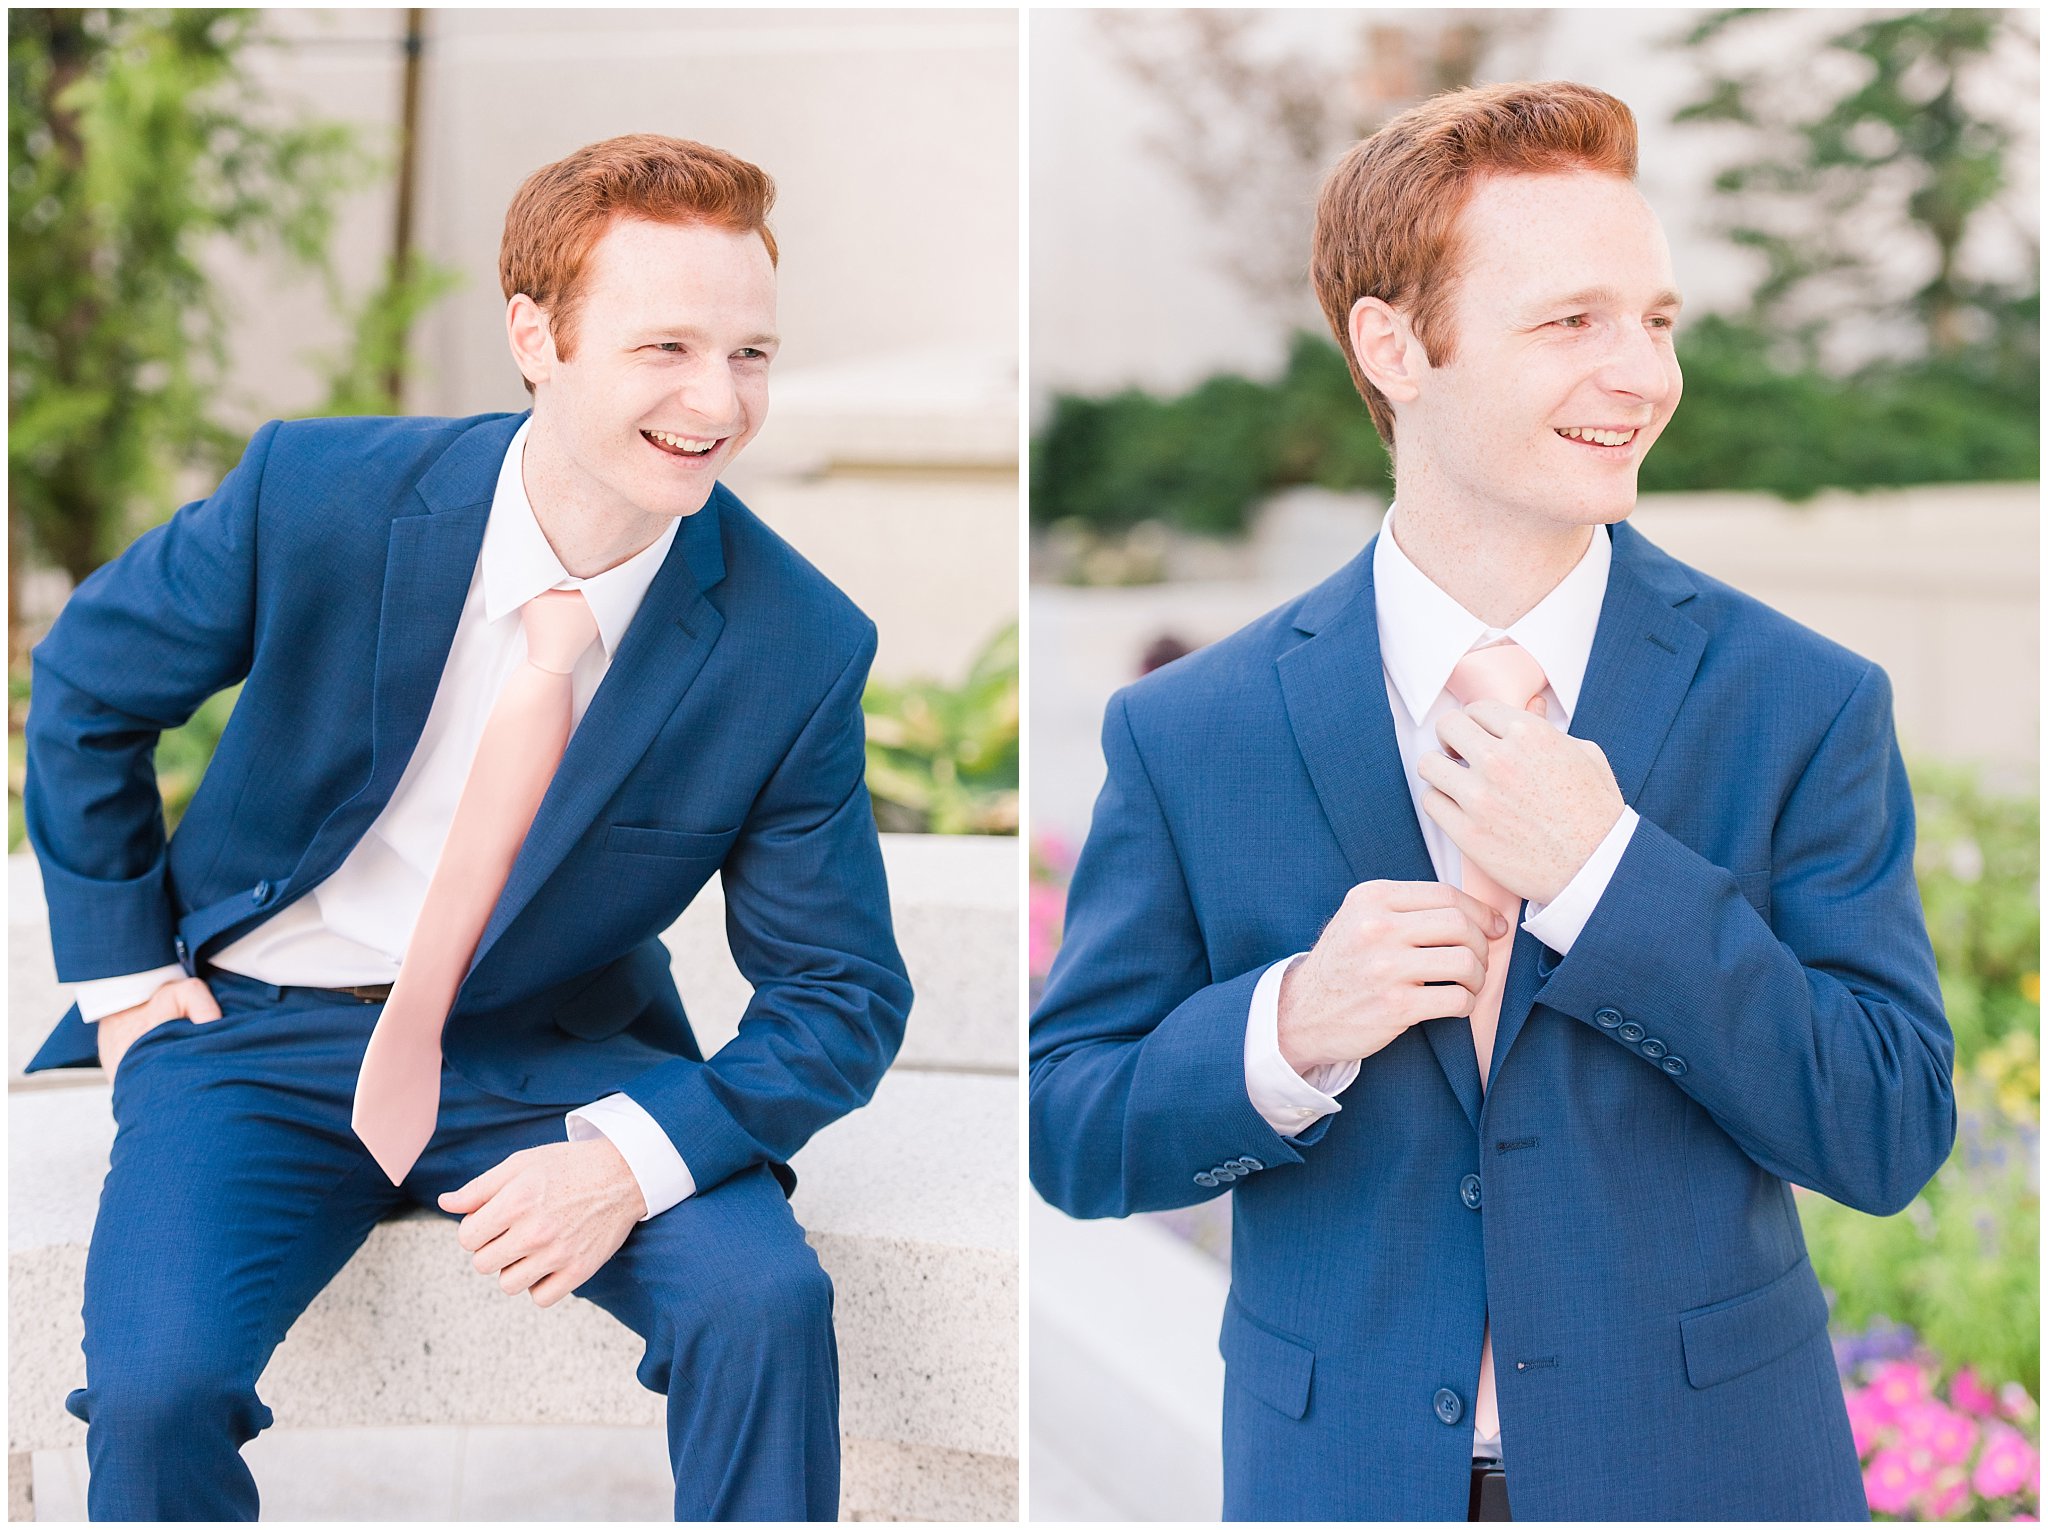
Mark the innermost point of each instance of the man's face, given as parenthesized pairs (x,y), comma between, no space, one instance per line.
(1564,321)
(669,376)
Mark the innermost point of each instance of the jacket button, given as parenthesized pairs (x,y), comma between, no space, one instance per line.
(178,945)
(1252,1164)
(1607,1019)
(1224,1172)
(1630,1032)
(1468,1191)
(1207,1180)
(260,893)
(1449,1406)
(1652,1048)
(1674,1066)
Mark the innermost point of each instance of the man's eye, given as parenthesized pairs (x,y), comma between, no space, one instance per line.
(672,346)
(751,353)
(1576,319)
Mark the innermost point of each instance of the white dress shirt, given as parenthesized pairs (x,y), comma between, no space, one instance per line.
(353,928)
(1423,634)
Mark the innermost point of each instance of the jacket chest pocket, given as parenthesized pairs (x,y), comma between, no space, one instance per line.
(670,844)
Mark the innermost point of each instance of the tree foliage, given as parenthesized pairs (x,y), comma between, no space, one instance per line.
(137,142)
(1885,141)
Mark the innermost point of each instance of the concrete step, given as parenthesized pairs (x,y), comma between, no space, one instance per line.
(1126,1381)
(910,1203)
(955,899)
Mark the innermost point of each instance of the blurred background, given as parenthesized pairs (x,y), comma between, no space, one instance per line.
(220,217)
(1851,198)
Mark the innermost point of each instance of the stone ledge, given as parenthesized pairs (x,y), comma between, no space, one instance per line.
(909,1202)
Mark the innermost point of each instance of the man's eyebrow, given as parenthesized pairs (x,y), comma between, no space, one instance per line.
(1588,297)
(690,332)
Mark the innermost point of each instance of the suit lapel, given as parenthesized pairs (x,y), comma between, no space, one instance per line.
(1645,653)
(1335,691)
(665,647)
(429,561)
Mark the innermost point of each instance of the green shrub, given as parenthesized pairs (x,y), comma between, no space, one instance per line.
(943,759)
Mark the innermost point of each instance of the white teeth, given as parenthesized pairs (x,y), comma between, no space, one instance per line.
(682,443)
(1598,437)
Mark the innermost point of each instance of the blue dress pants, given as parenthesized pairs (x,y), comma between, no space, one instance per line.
(236,1191)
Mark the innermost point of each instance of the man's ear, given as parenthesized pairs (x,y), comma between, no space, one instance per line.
(531,339)
(1386,348)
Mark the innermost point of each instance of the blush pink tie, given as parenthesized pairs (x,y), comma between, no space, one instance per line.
(398,1091)
(1506,672)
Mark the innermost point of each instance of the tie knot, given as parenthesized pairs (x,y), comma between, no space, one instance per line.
(559,627)
(1505,672)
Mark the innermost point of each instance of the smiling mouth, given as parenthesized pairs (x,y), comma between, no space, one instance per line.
(1614,443)
(695,447)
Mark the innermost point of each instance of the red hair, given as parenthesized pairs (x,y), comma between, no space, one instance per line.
(559,214)
(1387,221)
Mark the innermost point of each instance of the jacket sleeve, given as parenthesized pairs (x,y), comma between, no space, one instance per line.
(138,646)
(807,918)
(1817,1040)
(1137,1050)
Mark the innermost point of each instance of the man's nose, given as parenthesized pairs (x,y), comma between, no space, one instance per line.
(710,396)
(1641,364)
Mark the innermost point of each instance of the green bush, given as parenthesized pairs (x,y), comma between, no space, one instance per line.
(943,759)
(1204,460)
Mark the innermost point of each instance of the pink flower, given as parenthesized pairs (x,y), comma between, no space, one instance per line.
(2009,1464)
(1937,1429)
(2016,1401)
(1945,1498)
(1892,1389)
(1055,850)
(1893,1480)
(1971,1395)
(1866,1420)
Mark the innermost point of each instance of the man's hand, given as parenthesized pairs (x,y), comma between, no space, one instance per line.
(547,1218)
(116,1033)
(1364,983)
(1530,804)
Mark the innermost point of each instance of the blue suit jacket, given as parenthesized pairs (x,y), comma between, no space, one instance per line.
(1752,1002)
(327,573)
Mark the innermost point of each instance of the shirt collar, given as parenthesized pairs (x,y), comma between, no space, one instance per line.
(518,563)
(1424,632)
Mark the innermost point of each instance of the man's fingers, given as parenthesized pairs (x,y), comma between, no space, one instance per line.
(1462,736)
(1495,717)
(482,1225)
(1452,964)
(1426,897)
(520,1274)
(1450,929)
(195,1000)
(468,1197)
(1449,778)
(551,1288)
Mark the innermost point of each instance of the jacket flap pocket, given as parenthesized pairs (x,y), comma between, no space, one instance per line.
(1732,1338)
(1269,1365)
(640,839)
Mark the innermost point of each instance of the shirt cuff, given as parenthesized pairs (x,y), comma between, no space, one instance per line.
(663,1177)
(101,997)
(1558,922)
(1289,1103)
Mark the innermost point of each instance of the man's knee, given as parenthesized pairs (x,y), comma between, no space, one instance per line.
(154,1394)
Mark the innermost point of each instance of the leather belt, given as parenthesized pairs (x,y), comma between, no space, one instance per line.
(1489,1492)
(367,993)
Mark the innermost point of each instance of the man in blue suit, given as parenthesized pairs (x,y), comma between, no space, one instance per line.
(368,583)
(1509,921)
